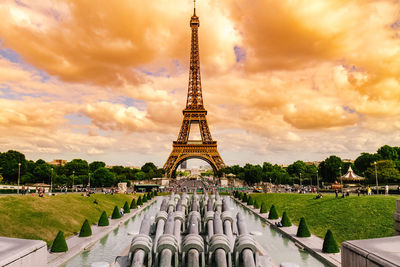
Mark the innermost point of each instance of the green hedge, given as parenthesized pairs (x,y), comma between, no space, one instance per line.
(273,214)
(133,204)
(59,244)
(285,220)
(126,207)
(103,221)
(250,201)
(116,214)
(303,231)
(85,229)
(263,208)
(330,245)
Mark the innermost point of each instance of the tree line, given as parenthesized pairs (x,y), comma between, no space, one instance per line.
(387,166)
(76,171)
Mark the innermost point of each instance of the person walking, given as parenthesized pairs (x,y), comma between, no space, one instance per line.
(386,190)
(369,190)
(336,193)
(121,210)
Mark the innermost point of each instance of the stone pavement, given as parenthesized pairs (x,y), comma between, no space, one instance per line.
(312,244)
(77,244)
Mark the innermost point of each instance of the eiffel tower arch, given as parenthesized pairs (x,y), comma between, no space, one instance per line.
(194,114)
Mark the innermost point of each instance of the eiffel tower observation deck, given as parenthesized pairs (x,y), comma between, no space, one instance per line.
(194,115)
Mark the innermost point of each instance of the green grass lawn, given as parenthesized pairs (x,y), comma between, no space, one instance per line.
(349,218)
(33,217)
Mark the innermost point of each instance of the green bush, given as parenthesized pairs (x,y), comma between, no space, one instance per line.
(155,193)
(240,195)
(133,204)
(285,221)
(244,199)
(140,201)
(256,204)
(263,208)
(149,195)
(303,231)
(116,214)
(59,244)
(144,198)
(126,207)
(330,245)
(85,229)
(250,201)
(273,214)
(103,221)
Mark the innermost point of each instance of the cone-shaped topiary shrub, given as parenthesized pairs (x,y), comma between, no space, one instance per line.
(155,193)
(240,195)
(149,195)
(250,200)
(330,245)
(263,208)
(140,201)
(244,199)
(133,204)
(103,221)
(59,244)
(144,198)
(126,207)
(256,204)
(85,229)
(273,214)
(116,214)
(303,231)
(285,221)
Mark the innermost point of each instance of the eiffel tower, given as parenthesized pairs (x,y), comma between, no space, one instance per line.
(194,114)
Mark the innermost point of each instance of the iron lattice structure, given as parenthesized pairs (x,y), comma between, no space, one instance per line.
(194,113)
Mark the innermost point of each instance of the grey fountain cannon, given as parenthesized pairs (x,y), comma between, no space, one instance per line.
(192,231)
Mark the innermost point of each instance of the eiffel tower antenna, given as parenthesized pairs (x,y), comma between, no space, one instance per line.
(194,114)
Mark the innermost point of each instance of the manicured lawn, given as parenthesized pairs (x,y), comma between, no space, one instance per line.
(349,218)
(33,217)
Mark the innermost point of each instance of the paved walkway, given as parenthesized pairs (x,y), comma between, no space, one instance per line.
(77,244)
(312,244)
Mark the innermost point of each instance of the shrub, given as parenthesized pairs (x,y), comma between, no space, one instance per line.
(126,207)
(144,198)
(256,204)
(285,220)
(250,201)
(330,245)
(85,229)
(155,193)
(240,195)
(263,208)
(133,204)
(116,214)
(244,199)
(148,195)
(273,214)
(103,221)
(59,244)
(303,231)
(140,201)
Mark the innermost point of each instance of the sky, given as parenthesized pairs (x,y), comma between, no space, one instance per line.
(282,80)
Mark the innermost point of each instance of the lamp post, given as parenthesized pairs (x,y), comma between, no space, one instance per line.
(317,183)
(89,181)
(51,181)
(300,181)
(341,180)
(73,176)
(19,175)
(376,177)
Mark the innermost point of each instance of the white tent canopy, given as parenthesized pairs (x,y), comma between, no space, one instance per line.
(351,176)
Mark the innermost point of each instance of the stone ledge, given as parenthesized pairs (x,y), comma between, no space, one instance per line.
(14,249)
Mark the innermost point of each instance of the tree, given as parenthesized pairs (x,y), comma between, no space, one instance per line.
(79,166)
(329,169)
(9,165)
(388,152)
(42,172)
(103,177)
(140,176)
(297,168)
(364,161)
(252,173)
(96,165)
(386,171)
(149,166)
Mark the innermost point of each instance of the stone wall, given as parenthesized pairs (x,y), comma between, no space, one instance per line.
(397,218)
(15,252)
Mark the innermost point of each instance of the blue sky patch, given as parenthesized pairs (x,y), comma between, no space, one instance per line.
(240,53)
